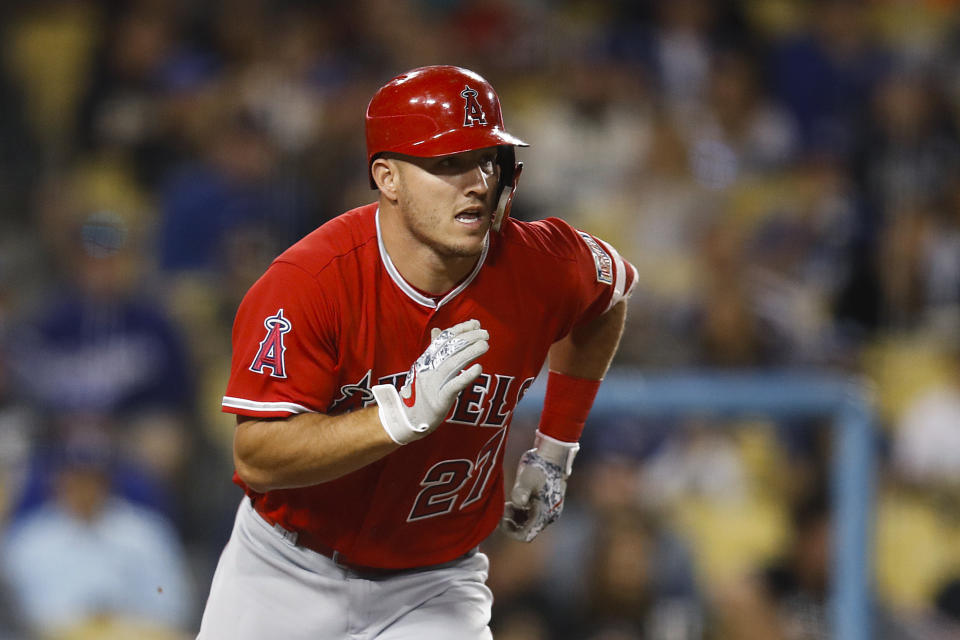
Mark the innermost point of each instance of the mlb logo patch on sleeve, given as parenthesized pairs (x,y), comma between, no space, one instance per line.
(601,259)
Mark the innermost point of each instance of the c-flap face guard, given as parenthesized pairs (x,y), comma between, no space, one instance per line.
(510,171)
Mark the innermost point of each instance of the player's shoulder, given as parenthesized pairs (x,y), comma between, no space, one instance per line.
(550,237)
(552,244)
(340,238)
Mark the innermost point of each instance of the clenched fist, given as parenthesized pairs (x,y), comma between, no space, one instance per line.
(538,491)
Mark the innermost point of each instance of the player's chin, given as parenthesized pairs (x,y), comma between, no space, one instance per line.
(464,247)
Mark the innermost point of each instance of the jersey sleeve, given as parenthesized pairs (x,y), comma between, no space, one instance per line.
(602,276)
(284,358)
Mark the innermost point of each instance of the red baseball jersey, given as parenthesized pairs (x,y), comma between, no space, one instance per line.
(332,317)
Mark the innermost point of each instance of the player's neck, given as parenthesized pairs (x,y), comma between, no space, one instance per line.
(421,265)
(423,268)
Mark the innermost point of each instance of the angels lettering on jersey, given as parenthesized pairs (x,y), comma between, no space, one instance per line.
(488,402)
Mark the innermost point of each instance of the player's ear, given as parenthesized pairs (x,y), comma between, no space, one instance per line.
(386,174)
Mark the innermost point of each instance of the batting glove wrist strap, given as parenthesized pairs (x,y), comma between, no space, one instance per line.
(393,418)
(433,382)
(556,451)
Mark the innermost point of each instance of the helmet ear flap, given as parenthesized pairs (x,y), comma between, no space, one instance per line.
(510,171)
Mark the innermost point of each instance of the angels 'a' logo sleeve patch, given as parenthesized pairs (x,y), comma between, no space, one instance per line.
(272,350)
(601,258)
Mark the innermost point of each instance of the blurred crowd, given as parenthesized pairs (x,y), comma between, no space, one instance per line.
(785,174)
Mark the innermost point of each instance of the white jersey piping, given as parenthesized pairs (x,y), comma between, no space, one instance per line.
(253,405)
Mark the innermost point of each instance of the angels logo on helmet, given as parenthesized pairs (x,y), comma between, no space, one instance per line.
(472,111)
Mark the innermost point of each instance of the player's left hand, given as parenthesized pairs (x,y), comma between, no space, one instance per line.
(538,492)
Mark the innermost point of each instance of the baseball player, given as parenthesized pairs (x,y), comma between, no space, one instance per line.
(376,367)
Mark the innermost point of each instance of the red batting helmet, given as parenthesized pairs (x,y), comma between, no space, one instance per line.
(438,111)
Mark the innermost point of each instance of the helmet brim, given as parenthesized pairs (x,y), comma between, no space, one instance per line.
(460,140)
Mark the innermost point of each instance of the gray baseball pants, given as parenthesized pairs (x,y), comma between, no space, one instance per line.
(265,587)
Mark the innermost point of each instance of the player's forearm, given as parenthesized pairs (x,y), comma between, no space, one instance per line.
(307,448)
(577,364)
(586,352)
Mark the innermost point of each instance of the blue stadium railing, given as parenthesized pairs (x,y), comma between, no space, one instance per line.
(778,395)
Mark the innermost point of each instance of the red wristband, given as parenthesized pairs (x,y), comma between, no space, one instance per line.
(565,407)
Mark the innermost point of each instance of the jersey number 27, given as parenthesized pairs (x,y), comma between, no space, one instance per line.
(447,481)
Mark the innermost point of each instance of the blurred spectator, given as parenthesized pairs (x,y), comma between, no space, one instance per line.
(48,49)
(483,29)
(906,167)
(736,131)
(100,348)
(288,87)
(942,620)
(18,422)
(728,330)
(398,35)
(595,115)
(825,75)
(235,188)
(660,213)
(19,159)
(901,258)
(19,427)
(12,626)
(640,583)
(943,263)
(947,606)
(615,567)
(17,431)
(926,438)
(89,554)
(918,260)
(788,598)
(698,460)
(684,40)
(517,577)
(910,151)
(142,59)
(520,621)
(100,344)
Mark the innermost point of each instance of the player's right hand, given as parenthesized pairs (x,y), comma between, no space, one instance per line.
(433,383)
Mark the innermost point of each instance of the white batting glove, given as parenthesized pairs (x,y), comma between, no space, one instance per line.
(433,383)
(537,496)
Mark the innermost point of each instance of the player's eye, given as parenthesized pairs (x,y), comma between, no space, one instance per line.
(447,163)
(488,164)
(463,163)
